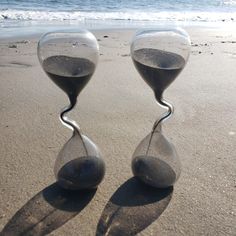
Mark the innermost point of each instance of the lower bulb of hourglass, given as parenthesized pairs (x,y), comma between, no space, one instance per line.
(79,164)
(155,161)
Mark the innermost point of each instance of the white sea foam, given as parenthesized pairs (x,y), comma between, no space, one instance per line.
(229,2)
(22,15)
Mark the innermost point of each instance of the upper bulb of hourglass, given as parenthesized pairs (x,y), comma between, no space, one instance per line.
(69,58)
(159,55)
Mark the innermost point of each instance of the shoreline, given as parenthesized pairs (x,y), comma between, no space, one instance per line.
(34,29)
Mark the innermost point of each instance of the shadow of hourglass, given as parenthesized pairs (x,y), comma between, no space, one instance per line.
(69,58)
(132,208)
(159,56)
(47,210)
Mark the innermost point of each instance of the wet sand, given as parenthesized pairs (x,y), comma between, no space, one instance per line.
(117,110)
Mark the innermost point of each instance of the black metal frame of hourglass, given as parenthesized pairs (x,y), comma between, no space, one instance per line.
(69,58)
(155,160)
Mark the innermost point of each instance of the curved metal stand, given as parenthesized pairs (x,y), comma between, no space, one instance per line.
(157,127)
(170,110)
(71,124)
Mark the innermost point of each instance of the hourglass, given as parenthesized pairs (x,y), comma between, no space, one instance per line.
(159,56)
(69,58)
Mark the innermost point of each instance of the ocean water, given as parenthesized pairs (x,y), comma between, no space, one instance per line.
(15,13)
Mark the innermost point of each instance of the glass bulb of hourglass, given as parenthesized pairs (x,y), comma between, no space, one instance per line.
(69,58)
(159,56)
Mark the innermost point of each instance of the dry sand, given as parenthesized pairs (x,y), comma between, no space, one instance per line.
(117,109)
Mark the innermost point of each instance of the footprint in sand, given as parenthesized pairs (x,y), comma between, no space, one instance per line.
(16,64)
(125,55)
(196,52)
(231,54)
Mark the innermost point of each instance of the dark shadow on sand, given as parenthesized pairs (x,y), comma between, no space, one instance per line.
(132,208)
(46,211)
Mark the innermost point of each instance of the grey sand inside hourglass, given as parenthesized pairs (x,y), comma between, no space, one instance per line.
(71,74)
(157,67)
(79,164)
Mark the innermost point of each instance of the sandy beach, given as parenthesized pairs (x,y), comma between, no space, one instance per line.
(117,109)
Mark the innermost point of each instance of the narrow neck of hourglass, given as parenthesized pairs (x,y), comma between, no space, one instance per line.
(157,127)
(73,100)
(76,129)
(63,115)
(158,95)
